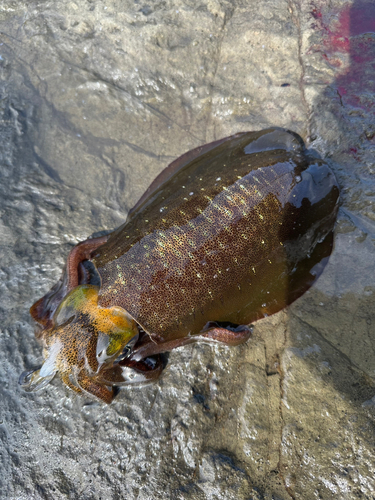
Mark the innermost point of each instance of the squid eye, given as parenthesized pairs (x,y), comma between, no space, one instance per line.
(127,350)
(75,303)
(104,348)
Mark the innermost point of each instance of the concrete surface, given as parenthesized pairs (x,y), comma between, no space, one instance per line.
(96,98)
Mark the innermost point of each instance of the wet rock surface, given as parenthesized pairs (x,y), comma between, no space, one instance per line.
(96,99)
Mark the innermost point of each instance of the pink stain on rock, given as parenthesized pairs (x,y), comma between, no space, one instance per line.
(352,32)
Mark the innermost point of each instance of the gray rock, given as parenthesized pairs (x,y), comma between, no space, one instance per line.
(96,99)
